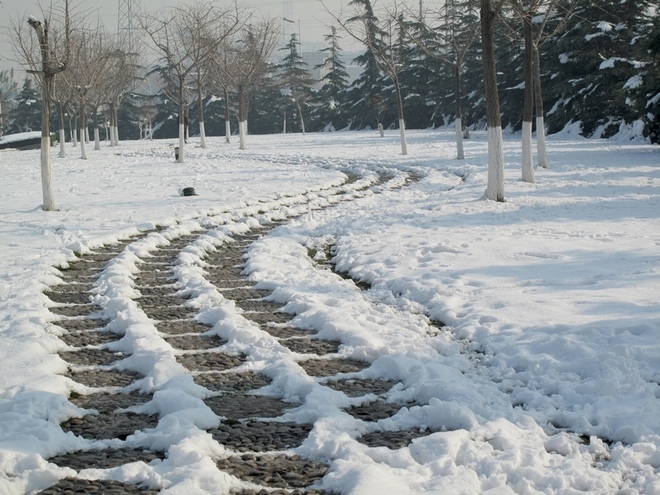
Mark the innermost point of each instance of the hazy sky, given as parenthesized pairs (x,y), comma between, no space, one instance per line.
(310,15)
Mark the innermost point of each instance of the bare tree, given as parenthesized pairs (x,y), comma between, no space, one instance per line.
(146,111)
(89,61)
(122,66)
(535,16)
(246,61)
(208,28)
(62,97)
(526,10)
(385,42)
(187,36)
(456,37)
(223,74)
(52,60)
(495,186)
(459,39)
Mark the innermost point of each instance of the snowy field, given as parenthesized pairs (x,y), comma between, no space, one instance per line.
(545,380)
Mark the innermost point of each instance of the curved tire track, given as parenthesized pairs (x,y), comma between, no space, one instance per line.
(259,443)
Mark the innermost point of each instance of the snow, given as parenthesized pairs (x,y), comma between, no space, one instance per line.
(20,136)
(546,379)
(634,82)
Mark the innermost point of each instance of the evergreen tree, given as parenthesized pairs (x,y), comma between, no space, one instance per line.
(594,69)
(26,115)
(646,88)
(8,93)
(129,121)
(331,111)
(167,115)
(418,74)
(366,96)
(296,81)
(509,44)
(268,106)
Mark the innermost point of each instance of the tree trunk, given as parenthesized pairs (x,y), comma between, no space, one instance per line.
(112,125)
(528,104)
(460,152)
(538,104)
(402,122)
(300,114)
(495,186)
(186,126)
(202,133)
(182,123)
(46,182)
(74,131)
(62,134)
(242,117)
(115,130)
(83,125)
(227,118)
(97,133)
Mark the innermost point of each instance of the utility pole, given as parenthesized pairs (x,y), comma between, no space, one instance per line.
(128,9)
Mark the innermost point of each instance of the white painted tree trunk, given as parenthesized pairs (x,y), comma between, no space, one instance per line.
(182,141)
(540,143)
(284,124)
(302,120)
(97,139)
(62,143)
(527,159)
(115,132)
(458,124)
(74,138)
(242,131)
(49,199)
(495,188)
(202,135)
(402,132)
(83,148)
(381,130)
(227,131)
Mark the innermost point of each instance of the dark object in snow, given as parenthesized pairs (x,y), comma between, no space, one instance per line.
(176,153)
(188,191)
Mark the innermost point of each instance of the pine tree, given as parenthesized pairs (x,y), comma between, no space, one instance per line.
(331,111)
(167,114)
(366,96)
(296,80)
(8,93)
(418,76)
(645,88)
(594,68)
(26,116)
(453,44)
(268,105)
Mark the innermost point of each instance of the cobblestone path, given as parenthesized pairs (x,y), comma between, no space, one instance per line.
(259,443)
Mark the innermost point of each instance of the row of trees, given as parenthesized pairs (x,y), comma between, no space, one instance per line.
(473,63)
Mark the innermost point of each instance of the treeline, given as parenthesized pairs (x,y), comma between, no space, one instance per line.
(597,64)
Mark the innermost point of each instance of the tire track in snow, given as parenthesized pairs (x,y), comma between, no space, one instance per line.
(138,350)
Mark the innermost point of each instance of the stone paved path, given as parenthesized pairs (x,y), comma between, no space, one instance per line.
(259,444)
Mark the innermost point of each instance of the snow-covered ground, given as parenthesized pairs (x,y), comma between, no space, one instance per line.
(545,380)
